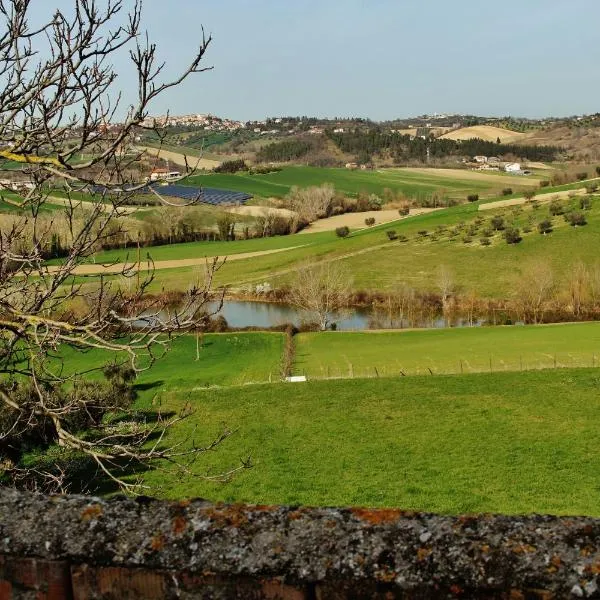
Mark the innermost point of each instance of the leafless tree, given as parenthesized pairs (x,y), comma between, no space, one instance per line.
(446,284)
(311,203)
(321,290)
(58,101)
(534,288)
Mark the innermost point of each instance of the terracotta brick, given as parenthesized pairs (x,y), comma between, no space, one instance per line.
(19,577)
(115,583)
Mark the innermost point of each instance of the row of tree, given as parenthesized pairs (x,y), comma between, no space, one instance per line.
(367,143)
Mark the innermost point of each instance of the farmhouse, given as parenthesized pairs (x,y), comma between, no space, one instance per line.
(480,159)
(512,167)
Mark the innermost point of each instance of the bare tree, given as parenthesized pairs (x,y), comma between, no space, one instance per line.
(321,290)
(311,203)
(534,289)
(58,101)
(446,284)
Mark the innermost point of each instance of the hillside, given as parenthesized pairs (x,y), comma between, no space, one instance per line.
(485,132)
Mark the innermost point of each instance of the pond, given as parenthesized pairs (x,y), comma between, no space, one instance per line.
(244,313)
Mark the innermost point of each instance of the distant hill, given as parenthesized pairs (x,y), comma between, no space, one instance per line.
(485,132)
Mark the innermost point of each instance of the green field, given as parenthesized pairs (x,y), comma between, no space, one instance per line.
(511,443)
(225,360)
(468,350)
(349,182)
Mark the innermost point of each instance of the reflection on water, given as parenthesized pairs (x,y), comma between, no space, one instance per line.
(241,313)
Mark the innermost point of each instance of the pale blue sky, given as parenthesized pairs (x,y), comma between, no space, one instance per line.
(382,58)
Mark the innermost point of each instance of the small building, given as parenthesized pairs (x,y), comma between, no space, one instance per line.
(339,130)
(513,167)
(351,165)
(480,159)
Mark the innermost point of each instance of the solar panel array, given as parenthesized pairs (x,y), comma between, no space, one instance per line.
(196,195)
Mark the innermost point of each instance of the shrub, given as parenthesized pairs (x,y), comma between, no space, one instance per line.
(591,187)
(404,210)
(487,232)
(370,221)
(535,204)
(507,192)
(544,183)
(497,223)
(485,241)
(575,219)
(422,233)
(512,235)
(342,232)
(402,238)
(473,197)
(392,235)
(556,208)
(581,175)
(467,239)
(545,226)
(529,194)
(585,202)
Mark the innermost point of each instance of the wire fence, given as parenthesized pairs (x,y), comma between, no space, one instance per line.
(458,366)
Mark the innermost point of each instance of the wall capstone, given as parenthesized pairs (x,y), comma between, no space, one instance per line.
(196,549)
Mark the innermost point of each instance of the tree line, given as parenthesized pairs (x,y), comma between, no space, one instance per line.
(366,144)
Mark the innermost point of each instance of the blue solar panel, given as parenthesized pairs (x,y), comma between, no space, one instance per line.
(197,195)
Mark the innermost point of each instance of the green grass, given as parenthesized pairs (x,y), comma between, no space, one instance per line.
(225,360)
(510,443)
(346,181)
(511,348)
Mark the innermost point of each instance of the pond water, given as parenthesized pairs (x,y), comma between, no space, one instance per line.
(243,313)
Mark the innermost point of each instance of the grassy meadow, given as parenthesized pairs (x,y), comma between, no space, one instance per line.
(450,444)
(439,351)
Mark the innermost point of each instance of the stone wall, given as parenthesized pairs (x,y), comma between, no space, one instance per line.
(84,548)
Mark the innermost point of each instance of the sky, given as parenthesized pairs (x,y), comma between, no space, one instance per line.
(380,59)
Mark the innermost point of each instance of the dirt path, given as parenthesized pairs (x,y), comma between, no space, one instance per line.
(115,269)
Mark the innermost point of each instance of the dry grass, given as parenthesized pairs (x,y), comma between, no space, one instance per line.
(465,174)
(485,132)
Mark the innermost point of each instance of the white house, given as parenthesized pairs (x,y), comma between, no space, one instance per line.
(512,167)
(480,159)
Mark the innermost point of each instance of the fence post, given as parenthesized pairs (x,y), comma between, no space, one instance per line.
(376,372)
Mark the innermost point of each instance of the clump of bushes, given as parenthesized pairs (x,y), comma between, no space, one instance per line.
(497,223)
(507,192)
(404,210)
(591,187)
(544,183)
(556,208)
(467,239)
(231,166)
(581,175)
(512,235)
(529,194)
(473,197)
(392,235)
(484,241)
(370,221)
(585,202)
(575,219)
(545,226)
(342,232)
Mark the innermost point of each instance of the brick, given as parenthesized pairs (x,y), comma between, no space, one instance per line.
(20,578)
